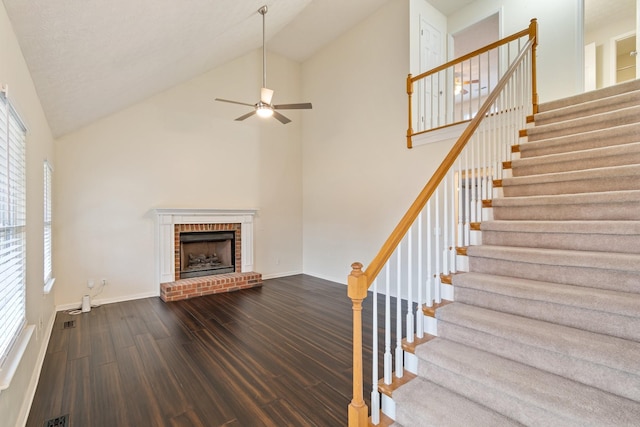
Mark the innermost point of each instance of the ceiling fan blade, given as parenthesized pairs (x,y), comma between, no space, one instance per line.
(235,102)
(301,106)
(246,116)
(266,95)
(282,119)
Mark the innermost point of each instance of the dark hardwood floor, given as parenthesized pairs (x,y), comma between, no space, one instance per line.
(279,355)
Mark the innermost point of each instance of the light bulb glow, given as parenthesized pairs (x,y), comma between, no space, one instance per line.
(264,111)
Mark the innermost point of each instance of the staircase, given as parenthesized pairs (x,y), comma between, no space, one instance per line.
(545,328)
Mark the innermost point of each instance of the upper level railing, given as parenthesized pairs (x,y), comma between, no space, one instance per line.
(452,93)
(421,250)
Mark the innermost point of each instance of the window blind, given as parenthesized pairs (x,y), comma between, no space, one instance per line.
(12,226)
(48,264)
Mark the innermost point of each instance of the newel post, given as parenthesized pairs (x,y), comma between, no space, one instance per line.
(357,290)
(533,34)
(410,95)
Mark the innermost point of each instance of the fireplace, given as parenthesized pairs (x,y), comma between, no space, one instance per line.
(207,249)
(204,251)
(207,253)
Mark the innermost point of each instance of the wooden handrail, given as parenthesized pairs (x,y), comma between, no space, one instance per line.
(359,281)
(531,31)
(473,54)
(401,229)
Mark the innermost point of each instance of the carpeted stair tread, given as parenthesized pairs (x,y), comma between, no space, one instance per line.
(619,117)
(611,236)
(526,394)
(610,136)
(589,108)
(613,205)
(547,265)
(561,353)
(617,155)
(590,96)
(587,259)
(577,227)
(598,349)
(442,408)
(591,309)
(589,298)
(615,178)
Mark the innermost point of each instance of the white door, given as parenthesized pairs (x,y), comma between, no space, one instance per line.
(429,90)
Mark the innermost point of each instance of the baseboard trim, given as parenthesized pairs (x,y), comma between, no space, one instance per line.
(23,415)
(76,305)
(341,281)
(278,275)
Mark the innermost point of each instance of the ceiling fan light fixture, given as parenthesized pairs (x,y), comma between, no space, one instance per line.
(264,111)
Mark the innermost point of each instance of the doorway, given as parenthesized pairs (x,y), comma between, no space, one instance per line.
(611,31)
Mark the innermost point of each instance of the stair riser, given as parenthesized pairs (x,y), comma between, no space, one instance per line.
(624,281)
(583,242)
(498,400)
(582,110)
(573,165)
(592,374)
(585,141)
(593,185)
(586,211)
(585,124)
(554,312)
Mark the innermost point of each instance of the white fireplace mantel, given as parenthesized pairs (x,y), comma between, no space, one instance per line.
(167,218)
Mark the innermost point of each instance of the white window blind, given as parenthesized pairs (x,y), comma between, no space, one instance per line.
(12,226)
(48,264)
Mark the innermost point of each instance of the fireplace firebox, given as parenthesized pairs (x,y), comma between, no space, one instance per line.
(207,253)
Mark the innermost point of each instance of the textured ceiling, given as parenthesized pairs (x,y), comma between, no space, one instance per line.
(90,58)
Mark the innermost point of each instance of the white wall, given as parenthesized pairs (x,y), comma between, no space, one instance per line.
(178,149)
(359,177)
(14,401)
(560,48)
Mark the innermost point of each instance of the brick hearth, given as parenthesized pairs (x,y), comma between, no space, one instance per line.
(206,285)
(171,222)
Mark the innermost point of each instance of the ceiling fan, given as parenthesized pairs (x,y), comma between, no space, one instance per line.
(264,107)
(459,85)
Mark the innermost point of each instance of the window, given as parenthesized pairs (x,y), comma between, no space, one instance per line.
(48,263)
(12,227)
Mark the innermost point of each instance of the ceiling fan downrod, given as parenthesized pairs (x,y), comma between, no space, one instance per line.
(263,11)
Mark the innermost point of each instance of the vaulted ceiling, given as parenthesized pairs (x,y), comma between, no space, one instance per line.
(90,58)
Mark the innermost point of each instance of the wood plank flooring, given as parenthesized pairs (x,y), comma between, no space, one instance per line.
(279,355)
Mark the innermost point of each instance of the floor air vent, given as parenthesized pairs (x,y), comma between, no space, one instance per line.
(68,324)
(62,421)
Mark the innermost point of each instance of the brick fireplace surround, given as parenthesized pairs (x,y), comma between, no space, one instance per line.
(171,222)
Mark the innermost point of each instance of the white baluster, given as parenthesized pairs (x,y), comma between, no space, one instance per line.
(419,322)
(452,228)
(409,321)
(460,241)
(445,226)
(399,352)
(436,282)
(429,256)
(375,394)
(388,361)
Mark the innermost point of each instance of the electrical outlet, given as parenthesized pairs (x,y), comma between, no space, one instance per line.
(90,283)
